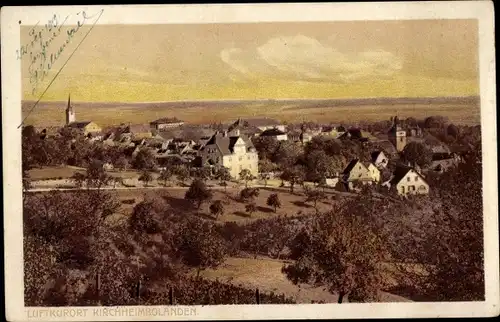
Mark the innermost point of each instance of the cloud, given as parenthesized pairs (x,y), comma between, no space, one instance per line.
(304,58)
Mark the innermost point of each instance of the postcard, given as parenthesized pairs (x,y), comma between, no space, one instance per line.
(250,161)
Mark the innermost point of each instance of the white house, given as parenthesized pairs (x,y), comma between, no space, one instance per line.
(379,159)
(233,152)
(407,180)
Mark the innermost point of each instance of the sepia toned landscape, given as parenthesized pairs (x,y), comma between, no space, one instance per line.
(264,163)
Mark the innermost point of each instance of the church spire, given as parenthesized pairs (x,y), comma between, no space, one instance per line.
(70,113)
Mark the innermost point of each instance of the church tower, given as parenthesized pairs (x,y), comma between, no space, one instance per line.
(70,112)
(397,135)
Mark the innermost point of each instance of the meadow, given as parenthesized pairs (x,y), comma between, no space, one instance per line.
(458,110)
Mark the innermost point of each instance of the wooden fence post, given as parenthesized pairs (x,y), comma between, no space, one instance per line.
(257,296)
(138,290)
(171,296)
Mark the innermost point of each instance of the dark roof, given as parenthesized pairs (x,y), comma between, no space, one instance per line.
(226,143)
(400,172)
(167,120)
(350,166)
(272,132)
(79,125)
(375,155)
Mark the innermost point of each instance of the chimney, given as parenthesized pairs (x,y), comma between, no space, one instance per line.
(224,133)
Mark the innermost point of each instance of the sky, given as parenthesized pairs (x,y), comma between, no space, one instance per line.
(359,59)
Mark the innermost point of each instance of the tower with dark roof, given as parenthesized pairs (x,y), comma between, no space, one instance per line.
(70,112)
(397,135)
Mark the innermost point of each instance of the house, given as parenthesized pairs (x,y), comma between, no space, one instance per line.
(264,124)
(138,130)
(353,134)
(166,123)
(87,127)
(243,127)
(407,180)
(275,134)
(233,152)
(442,162)
(332,131)
(356,171)
(373,171)
(379,159)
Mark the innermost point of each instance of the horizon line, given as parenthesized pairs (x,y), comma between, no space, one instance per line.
(270,99)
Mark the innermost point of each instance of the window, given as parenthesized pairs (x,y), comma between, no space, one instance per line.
(241,158)
(408,179)
(416,178)
(241,167)
(401,139)
(230,159)
(248,157)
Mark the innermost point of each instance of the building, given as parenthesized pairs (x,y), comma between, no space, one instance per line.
(407,180)
(397,135)
(354,134)
(264,124)
(70,112)
(138,131)
(233,152)
(379,159)
(275,134)
(87,127)
(244,128)
(166,123)
(356,171)
(373,172)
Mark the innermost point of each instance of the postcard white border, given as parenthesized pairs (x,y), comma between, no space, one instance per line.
(233,13)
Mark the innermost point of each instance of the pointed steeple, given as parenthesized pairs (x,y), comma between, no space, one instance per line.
(69,107)
(70,113)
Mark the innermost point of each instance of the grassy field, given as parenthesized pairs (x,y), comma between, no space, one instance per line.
(265,274)
(460,111)
(234,210)
(63,172)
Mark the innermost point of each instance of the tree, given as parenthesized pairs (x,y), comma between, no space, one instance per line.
(199,244)
(222,174)
(121,163)
(78,178)
(294,175)
(198,193)
(116,180)
(265,167)
(246,176)
(142,219)
(96,177)
(417,153)
(343,253)
(217,208)
(165,175)
(249,194)
(314,195)
(274,201)
(452,130)
(144,159)
(251,208)
(181,172)
(146,177)
(435,122)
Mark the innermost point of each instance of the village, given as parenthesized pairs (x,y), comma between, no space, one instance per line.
(392,160)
